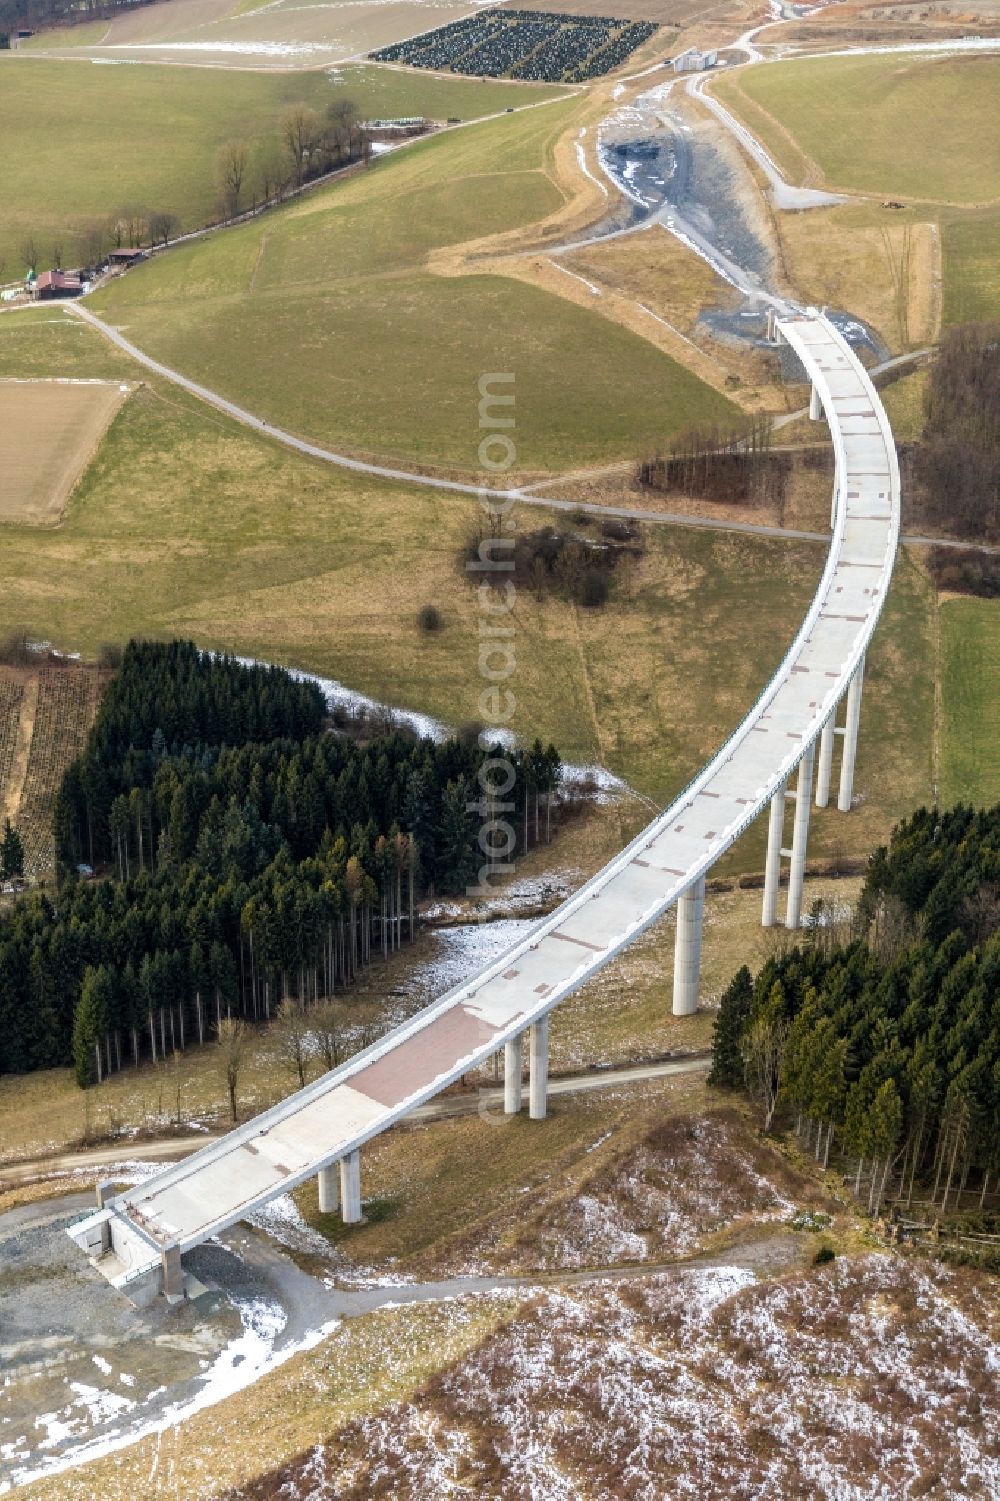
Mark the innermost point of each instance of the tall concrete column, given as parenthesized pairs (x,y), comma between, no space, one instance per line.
(329,1189)
(173,1273)
(513,1062)
(350,1187)
(851,739)
(687,948)
(772,863)
(824,767)
(800,835)
(538,1068)
(815,405)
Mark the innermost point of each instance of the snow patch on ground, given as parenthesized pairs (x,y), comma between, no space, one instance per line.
(603,784)
(591,288)
(238,49)
(528,893)
(281,1220)
(686,1181)
(463,951)
(859,1382)
(242,1362)
(581,157)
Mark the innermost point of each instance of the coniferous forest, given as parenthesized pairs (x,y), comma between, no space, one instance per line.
(244,854)
(885,1040)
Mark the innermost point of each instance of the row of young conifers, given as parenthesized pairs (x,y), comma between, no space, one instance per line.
(881,1037)
(247,856)
(537,46)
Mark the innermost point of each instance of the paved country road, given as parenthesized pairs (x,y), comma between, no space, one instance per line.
(487,1100)
(408,477)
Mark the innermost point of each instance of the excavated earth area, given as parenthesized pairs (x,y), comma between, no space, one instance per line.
(80,1366)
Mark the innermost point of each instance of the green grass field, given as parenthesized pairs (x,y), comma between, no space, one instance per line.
(970,749)
(188,524)
(325,317)
(971,266)
(904,402)
(916,126)
(93,140)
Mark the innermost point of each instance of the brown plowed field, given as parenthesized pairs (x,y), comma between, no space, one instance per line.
(51,431)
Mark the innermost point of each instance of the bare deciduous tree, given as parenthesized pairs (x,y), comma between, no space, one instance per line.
(234,1046)
(128,226)
(327,1022)
(161,227)
(343,130)
(301,130)
(231,167)
(291,1038)
(92,240)
(270,168)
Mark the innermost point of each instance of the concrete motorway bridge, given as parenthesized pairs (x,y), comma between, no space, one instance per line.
(137,1238)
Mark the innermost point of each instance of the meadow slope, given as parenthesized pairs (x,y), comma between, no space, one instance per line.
(186,524)
(65,180)
(326,318)
(916,126)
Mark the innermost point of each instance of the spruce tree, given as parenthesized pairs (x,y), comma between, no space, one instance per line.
(727,1040)
(89,1025)
(11,853)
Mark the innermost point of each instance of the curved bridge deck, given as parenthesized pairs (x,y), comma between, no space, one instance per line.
(337,1114)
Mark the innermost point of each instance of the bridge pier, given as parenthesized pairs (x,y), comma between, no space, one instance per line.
(687,948)
(850,752)
(538,1068)
(772,861)
(815,405)
(824,767)
(173,1273)
(350,1187)
(513,1063)
(329,1189)
(800,835)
